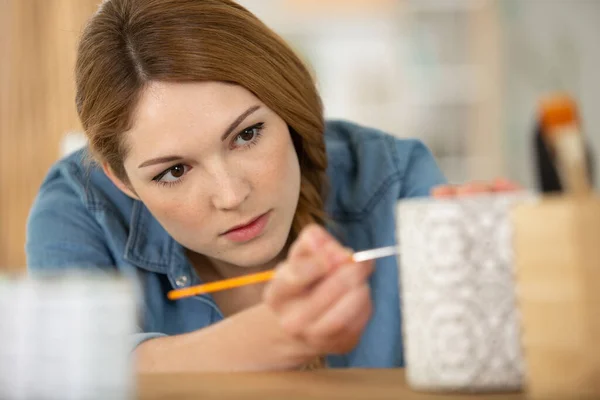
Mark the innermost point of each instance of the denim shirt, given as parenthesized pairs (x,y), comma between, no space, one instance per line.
(80,219)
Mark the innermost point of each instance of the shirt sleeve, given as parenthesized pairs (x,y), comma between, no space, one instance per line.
(62,234)
(421,171)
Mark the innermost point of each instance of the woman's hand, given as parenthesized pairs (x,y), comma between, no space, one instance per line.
(320,295)
(499,185)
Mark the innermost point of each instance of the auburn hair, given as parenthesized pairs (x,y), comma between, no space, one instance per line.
(130,43)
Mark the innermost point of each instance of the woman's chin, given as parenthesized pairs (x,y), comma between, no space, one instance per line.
(258,259)
(265,253)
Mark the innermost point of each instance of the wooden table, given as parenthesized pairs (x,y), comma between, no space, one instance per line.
(346,384)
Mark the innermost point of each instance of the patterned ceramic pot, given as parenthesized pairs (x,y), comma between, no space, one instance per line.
(460,322)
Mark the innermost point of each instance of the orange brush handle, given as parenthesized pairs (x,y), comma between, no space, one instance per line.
(267,275)
(221,285)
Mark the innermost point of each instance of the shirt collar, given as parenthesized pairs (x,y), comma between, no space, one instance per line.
(149,246)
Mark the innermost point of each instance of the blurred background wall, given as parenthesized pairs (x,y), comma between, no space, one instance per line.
(462,75)
(38,39)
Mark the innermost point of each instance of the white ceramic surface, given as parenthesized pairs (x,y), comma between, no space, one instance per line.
(66,338)
(460,323)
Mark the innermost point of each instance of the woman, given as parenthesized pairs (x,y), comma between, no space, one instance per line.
(214,161)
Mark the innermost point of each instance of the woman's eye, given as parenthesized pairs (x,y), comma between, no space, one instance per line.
(173,174)
(247,136)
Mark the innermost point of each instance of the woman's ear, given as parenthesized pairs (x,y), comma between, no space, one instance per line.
(125,188)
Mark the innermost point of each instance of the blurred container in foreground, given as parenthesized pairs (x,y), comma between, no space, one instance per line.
(66,338)
(558,291)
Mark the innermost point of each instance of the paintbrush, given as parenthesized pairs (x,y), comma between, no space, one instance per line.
(268,275)
(560,130)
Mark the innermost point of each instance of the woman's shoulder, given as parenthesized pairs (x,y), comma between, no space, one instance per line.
(349,143)
(365,163)
(76,179)
(78,219)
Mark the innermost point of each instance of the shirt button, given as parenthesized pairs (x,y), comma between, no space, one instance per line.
(181,281)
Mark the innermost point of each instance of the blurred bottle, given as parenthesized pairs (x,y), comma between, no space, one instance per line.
(564,160)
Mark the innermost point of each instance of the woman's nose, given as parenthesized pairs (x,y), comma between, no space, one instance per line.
(229,191)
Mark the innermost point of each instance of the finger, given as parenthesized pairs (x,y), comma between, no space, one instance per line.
(347,340)
(296,277)
(309,241)
(473,188)
(443,191)
(504,185)
(288,284)
(310,308)
(329,255)
(341,316)
(303,265)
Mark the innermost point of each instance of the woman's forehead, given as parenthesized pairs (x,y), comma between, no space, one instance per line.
(191,103)
(169,111)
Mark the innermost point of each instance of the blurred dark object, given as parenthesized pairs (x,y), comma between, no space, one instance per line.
(548,180)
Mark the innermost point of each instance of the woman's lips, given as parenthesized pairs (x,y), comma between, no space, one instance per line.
(249,231)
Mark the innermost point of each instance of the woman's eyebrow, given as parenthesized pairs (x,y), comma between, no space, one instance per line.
(238,121)
(160,160)
(231,128)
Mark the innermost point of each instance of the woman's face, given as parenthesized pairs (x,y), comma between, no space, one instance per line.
(216,168)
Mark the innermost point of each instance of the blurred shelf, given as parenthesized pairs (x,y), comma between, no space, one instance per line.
(440,85)
(391,117)
(290,21)
(444,6)
(314,7)
(326,27)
